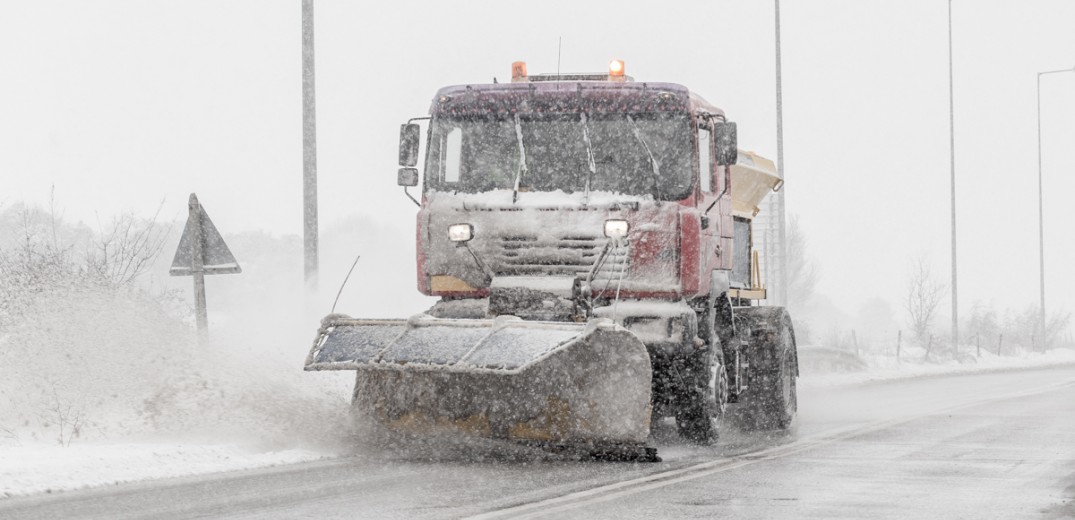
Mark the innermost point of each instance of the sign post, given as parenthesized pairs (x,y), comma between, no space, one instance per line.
(201,251)
(201,315)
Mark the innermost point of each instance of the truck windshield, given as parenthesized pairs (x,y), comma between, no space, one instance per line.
(481,153)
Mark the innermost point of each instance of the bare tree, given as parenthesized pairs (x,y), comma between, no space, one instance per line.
(1058,323)
(802,272)
(924,294)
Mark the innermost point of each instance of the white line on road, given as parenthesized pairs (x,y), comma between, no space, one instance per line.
(666,478)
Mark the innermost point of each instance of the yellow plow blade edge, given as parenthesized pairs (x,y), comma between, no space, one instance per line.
(506,378)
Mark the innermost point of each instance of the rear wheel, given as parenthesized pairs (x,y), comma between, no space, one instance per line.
(770,400)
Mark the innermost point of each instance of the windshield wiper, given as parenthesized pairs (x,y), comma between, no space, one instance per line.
(589,158)
(522,160)
(656,167)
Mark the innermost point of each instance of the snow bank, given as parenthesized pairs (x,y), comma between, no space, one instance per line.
(41,468)
(105,383)
(887,368)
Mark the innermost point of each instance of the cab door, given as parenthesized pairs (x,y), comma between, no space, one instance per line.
(711,185)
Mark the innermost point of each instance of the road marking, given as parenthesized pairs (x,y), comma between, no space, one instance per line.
(666,478)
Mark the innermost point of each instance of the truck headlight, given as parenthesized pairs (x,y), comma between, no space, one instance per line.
(460,232)
(616,228)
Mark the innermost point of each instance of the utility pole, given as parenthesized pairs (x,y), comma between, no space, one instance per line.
(952,157)
(1041,217)
(782,267)
(309,148)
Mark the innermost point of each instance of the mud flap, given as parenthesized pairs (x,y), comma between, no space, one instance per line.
(506,378)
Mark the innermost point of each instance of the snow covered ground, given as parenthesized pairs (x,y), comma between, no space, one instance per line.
(45,468)
(37,466)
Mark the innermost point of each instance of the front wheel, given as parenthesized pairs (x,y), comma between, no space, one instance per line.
(704,401)
(701,412)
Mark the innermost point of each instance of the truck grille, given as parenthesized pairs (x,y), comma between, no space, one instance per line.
(573,255)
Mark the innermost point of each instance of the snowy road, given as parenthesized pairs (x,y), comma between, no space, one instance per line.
(998,445)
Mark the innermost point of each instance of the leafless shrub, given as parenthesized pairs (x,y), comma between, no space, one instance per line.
(126,249)
(66,417)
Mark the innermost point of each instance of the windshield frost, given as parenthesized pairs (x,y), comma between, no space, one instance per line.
(482,153)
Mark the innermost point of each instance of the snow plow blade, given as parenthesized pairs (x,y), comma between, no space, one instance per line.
(545,382)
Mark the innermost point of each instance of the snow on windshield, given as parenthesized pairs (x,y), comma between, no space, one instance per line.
(481,153)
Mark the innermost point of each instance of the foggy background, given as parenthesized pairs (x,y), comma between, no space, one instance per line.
(123,105)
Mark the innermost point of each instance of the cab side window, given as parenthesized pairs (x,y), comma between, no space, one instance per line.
(452,151)
(705,159)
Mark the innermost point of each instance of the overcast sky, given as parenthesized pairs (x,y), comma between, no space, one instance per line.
(121,105)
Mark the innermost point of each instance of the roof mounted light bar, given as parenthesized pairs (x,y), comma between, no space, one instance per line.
(616,72)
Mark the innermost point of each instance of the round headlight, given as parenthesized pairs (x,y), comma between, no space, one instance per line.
(616,228)
(460,232)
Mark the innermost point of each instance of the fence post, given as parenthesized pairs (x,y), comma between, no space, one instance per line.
(899,343)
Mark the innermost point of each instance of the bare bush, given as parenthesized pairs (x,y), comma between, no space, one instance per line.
(126,249)
(67,418)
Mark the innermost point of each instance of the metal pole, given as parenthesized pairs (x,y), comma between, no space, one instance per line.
(309,147)
(201,316)
(1041,217)
(783,259)
(952,157)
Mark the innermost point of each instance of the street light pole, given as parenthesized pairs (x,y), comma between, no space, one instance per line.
(782,266)
(1041,217)
(309,148)
(952,157)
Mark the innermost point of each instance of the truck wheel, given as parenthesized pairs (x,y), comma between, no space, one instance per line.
(705,395)
(701,411)
(770,401)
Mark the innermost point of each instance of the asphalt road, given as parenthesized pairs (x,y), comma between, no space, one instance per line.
(998,445)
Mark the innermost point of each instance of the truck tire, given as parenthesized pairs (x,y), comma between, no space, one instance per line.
(704,398)
(770,400)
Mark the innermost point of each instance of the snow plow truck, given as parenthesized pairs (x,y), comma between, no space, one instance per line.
(589,237)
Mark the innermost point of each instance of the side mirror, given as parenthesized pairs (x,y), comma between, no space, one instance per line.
(408,177)
(725,140)
(409,137)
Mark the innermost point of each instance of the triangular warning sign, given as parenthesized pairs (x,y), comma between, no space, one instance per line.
(216,257)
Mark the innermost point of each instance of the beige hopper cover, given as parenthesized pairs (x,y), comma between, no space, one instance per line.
(753,177)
